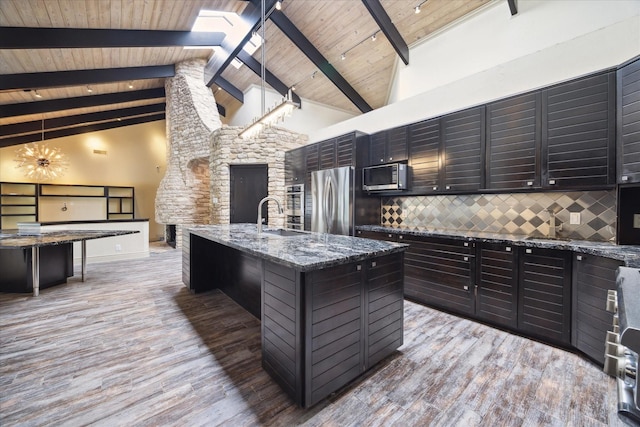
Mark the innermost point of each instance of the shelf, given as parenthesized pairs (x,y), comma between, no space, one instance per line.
(59,190)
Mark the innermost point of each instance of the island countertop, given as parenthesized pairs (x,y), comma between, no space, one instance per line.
(305,251)
(12,239)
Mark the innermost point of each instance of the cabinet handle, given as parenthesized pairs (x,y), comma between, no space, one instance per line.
(529,251)
(358,267)
(373,263)
(624,178)
(466,258)
(508,249)
(400,237)
(579,257)
(389,235)
(390,158)
(435,188)
(552,182)
(382,160)
(448,187)
(466,244)
(359,232)
(530,183)
(465,287)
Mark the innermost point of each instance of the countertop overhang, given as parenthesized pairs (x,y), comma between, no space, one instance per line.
(629,254)
(12,239)
(307,251)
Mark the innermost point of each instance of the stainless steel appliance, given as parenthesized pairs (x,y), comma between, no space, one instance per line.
(294,203)
(623,342)
(388,177)
(333,194)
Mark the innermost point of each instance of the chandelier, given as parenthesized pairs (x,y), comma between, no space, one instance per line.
(41,162)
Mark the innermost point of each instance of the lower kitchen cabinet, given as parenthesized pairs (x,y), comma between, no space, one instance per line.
(592,277)
(544,300)
(440,272)
(497,284)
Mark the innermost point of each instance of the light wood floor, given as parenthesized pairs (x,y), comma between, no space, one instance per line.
(131,346)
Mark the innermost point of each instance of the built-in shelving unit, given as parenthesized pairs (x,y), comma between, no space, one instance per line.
(24,202)
(18,203)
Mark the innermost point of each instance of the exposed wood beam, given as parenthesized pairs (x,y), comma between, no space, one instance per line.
(229,88)
(390,31)
(36,126)
(23,139)
(292,32)
(513,6)
(69,38)
(38,107)
(83,77)
(272,80)
(232,44)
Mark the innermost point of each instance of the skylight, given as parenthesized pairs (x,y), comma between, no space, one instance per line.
(228,23)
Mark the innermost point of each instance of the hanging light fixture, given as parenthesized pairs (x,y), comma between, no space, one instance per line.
(41,162)
(278,112)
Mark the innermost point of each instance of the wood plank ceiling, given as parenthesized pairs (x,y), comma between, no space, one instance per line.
(333,27)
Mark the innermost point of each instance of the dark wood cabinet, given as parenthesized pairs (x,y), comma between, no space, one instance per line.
(312,164)
(294,166)
(424,141)
(346,150)
(497,284)
(327,154)
(592,277)
(514,142)
(544,294)
(463,141)
(440,272)
(388,146)
(628,120)
(578,133)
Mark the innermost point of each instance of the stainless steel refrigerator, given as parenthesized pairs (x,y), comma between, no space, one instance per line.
(333,194)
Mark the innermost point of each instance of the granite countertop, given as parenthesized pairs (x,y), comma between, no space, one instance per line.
(627,253)
(94,221)
(305,251)
(11,239)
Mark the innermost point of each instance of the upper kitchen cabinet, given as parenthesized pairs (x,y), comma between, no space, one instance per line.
(629,123)
(513,143)
(312,163)
(424,156)
(578,133)
(327,154)
(388,146)
(294,166)
(463,140)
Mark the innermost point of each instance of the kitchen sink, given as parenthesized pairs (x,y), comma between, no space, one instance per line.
(561,239)
(284,232)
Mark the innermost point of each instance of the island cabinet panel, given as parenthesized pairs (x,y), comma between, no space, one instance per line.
(424,156)
(333,329)
(463,136)
(544,306)
(497,285)
(578,133)
(281,327)
(513,142)
(440,272)
(628,112)
(592,277)
(385,311)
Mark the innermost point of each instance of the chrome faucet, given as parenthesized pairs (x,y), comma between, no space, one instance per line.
(552,225)
(280,211)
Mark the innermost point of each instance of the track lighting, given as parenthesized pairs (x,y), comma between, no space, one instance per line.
(293,87)
(373,37)
(417,8)
(89,89)
(37,95)
(130,85)
(343,56)
(278,5)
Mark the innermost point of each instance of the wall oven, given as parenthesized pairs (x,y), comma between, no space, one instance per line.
(294,206)
(623,342)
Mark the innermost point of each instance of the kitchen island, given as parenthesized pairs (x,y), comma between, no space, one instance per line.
(330,306)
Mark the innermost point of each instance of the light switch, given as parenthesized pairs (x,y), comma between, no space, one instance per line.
(574,218)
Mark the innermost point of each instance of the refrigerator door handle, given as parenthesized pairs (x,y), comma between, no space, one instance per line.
(328,204)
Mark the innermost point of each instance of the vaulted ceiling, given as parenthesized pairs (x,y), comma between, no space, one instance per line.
(73,66)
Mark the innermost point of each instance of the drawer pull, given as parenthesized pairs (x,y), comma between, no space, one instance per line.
(400,237)
(552,182)
(579,257)
(373,264)
(448,187)
(466,258)
(529,251)
(508,249)
(435,188)
(465,287)
(530,183)
(389,235)
(624,178)
(466,244)
(358,267)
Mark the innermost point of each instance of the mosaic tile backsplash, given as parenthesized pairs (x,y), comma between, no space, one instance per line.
(517,213)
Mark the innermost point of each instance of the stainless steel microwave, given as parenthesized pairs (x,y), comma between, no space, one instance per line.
(392,176)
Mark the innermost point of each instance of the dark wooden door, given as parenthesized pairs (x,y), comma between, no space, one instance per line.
(397,144)
(327,154)
(497,285)
(378,148)
(294,166)
(629,123)
(312,163)
(248,187)
(578,133)
(424,156)
(345,150)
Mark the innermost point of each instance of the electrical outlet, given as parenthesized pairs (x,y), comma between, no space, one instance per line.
(118,248)
(574,218)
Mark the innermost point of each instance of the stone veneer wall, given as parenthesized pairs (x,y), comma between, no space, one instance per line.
(191,115)
(227,148)
(516,213)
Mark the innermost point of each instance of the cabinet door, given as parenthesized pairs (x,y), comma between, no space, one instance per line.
(513,143)
(463,135)
(345,150)
(592,277)
(378,148)
(629,123)
(327,154)
(377,235)
(544,294)
(294,165)
(440,272)
(578,133)
(311,164)
(396,144)
(424,156)
(497,286)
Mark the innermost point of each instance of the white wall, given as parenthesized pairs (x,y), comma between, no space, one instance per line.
(491,55)
(311,117)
